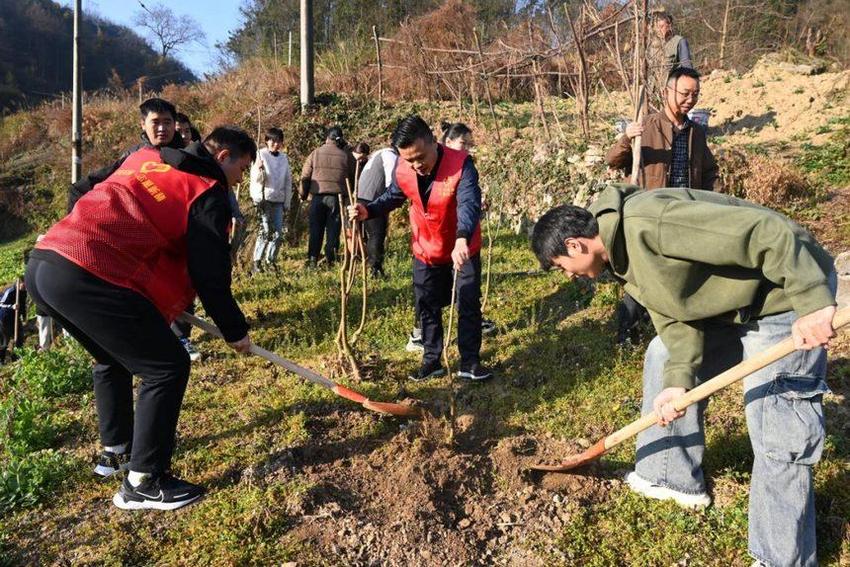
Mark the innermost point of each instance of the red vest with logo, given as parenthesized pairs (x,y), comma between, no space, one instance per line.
(435,228)
(130,230)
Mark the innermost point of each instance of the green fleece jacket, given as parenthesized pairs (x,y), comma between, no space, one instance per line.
(689,256)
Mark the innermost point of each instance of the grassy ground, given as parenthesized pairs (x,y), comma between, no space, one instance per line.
(560,377)
(297,474)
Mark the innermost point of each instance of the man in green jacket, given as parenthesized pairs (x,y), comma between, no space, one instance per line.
(723,280)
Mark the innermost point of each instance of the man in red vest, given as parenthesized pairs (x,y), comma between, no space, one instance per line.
(117,270)
(445,209)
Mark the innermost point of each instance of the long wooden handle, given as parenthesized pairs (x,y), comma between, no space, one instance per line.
(636,143)
(305,373)
(709,387)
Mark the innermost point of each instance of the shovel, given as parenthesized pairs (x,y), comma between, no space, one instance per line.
(699,393)
(399,410)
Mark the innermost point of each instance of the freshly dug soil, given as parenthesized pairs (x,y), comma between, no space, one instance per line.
(412,499)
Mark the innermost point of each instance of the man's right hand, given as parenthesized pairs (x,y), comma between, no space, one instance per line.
(358,212)
(633,130)
(243,345)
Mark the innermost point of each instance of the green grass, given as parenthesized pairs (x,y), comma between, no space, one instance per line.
(559,375)
(830,162)
(12,258)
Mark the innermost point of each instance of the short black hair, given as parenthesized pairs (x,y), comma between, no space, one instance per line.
(274,134)
(180,117)
(159,106)
(232,138)
(410,129)
(362,148)
(557,225)
(664,16)
(454,130)
(674,75)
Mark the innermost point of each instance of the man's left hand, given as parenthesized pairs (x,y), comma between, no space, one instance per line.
(461,253)
(663,405)
(814,330)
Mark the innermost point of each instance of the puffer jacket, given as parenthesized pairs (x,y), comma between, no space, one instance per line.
(326,170)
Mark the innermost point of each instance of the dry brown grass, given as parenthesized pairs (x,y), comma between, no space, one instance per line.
(761,179)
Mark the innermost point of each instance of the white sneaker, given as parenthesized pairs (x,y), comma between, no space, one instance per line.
(194,355)
(650,490)
(414,344)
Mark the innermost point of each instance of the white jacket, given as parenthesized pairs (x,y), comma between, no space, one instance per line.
(274,183)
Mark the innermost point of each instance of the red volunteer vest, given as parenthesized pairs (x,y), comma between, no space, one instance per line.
(130,230)
(434,230)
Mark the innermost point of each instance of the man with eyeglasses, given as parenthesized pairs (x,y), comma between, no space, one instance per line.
(674,153)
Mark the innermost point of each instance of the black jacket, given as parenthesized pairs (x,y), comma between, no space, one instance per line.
(85,184)
(207,243)
(208,248)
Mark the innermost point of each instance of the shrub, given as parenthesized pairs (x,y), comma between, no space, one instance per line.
(761,179)
(55,372)
(24,480)
(774,184)
(26,424)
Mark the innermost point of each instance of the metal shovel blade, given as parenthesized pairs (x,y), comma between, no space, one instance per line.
(398,410)
(574,461)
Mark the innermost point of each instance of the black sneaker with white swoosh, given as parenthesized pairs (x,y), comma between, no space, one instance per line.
(162,492)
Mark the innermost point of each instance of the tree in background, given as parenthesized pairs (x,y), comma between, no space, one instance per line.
(170,31)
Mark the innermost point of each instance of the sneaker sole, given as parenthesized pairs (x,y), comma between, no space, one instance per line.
(645,488)
(436,374)
(120,502)
(107,472)
(473,378)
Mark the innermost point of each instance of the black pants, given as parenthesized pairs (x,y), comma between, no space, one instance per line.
(629,315)
(432,290)
(126,335)
(324,217)
(376,236)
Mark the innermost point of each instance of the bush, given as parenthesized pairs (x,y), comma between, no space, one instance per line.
(24,480)
(774,184)
(761,179)
(55,372)
(27,424)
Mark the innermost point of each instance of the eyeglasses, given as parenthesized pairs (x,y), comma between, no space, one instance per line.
(686,94)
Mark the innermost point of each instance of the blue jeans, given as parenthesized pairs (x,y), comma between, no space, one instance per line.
(271,231)
(786,428)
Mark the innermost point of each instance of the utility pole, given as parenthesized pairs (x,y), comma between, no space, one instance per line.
(306,53)
(76,120)
(289,57)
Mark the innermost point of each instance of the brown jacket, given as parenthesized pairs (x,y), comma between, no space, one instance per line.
(326,170)
(656,143)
